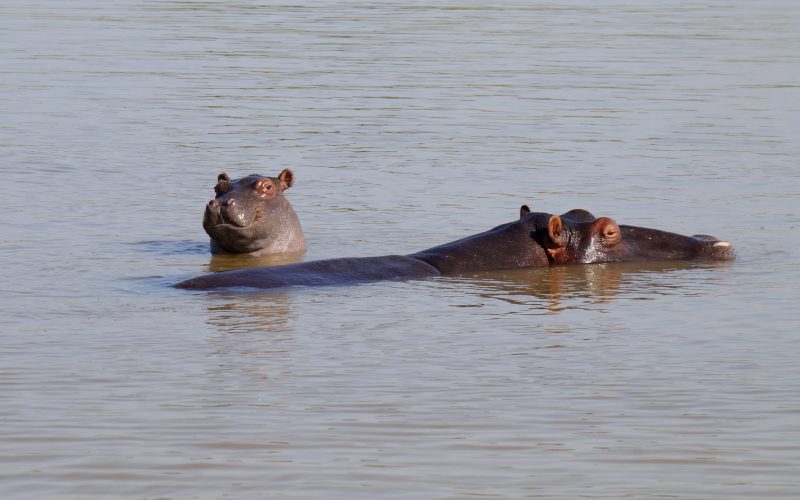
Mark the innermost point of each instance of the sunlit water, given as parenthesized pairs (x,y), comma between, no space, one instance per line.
(408,124)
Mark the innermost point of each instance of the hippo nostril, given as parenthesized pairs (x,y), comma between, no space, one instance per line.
(229,203)
(213,204)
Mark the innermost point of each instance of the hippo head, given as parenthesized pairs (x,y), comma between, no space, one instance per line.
(578,237)
(252,215)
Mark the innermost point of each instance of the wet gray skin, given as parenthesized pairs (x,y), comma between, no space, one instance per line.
(252,215)
(535,240)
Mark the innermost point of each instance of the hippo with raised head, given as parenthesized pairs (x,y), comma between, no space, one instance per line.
(252,215)
(535,240)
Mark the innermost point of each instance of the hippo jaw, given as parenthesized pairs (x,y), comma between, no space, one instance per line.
(251,239)
(650,244)
(233,237)
(633,244)
(272,235)
(229,229)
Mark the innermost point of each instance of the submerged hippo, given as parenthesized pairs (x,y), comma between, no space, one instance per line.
(251,215)
(535,240)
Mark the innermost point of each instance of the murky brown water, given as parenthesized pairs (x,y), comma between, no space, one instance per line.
(408,124)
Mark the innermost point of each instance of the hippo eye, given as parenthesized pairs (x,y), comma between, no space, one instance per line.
(263,185)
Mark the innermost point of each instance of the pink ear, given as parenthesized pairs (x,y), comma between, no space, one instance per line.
(555,232)
(287,179)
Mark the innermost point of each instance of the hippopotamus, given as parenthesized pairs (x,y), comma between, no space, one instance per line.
(252,215)
(536,239)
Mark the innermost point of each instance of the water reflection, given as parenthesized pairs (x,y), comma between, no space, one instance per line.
(228,261)
(587,287)
(242,313)
(525,291)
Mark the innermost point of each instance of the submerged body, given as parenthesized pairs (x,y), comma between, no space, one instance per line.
(252,215)
(535,240)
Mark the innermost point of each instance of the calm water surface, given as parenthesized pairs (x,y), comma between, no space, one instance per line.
(408,124)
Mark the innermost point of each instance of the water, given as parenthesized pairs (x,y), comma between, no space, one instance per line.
(408,124)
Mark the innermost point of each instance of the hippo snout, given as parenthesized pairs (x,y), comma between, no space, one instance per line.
(212,215)
(225,212)
(722,250)
(232,214)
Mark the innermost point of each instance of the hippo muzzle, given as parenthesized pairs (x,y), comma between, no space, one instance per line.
(228,227)
(227,212)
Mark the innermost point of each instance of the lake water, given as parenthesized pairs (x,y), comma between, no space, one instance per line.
(408,124)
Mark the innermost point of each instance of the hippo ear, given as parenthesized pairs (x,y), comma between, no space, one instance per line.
(608,231)
(287,179)
(523,211)
(223,184)
(556,235)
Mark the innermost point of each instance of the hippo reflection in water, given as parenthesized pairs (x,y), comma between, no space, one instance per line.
(252,215)
(535,240)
